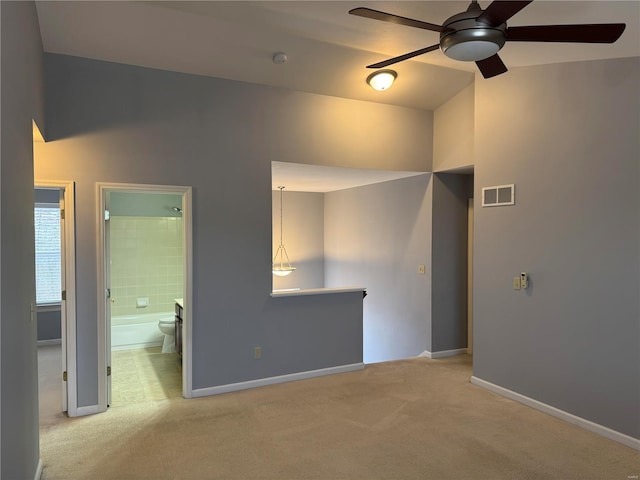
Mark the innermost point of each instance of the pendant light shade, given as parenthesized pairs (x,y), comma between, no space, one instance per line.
(281,264)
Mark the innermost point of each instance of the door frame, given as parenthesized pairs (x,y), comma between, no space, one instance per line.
(470,210)
(68,306)
(187,235)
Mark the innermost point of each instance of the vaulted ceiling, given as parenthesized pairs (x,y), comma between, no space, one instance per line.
(327,48)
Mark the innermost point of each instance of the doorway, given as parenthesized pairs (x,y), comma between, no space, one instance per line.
(54,215)
(144,251)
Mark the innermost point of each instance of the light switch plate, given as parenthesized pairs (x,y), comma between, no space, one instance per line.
(516,283)
(421,269)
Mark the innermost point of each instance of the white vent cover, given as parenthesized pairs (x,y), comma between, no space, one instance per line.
(498,196)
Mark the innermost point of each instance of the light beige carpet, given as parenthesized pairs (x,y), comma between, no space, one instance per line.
(412,419)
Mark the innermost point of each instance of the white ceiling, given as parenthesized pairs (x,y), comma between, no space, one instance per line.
(328,50)
(297,177)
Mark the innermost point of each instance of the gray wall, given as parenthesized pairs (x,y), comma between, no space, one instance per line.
(453,132)
(303,236)
(21,101)
(449,261)
(376,236)
(567,136)
(49,324)
(47,195)
(117,123)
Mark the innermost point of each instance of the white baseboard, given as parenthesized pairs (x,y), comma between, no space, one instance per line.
(51,341)
(38,474)
(561,414)
(444,353)
(88,410)
(261,382)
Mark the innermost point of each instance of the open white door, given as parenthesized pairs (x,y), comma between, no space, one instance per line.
(107,293)
(63,303)
(66,201)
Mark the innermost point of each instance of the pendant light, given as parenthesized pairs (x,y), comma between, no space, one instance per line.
(281,265)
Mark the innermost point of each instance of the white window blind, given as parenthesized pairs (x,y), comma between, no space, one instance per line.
(47,229)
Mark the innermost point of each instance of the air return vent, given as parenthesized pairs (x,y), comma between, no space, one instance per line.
(498,196)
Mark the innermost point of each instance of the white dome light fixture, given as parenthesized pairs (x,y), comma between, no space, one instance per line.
(281,265)
(382,79)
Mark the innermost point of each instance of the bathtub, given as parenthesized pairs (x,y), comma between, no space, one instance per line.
(137,331)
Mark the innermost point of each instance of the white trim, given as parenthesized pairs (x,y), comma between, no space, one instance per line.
(187,297)
(561,414)
(187,222)
(444,353)
(449,353)
(38,474)
(50,341)
(261,382)
(69,329)
(88,410)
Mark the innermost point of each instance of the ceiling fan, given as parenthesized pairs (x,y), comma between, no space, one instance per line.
(477,35)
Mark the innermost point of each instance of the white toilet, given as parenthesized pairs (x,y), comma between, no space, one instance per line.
(168,327)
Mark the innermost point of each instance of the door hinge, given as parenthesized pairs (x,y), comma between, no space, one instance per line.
(108,371)
(64,294)
(62,214)
(107,215)
(64,376)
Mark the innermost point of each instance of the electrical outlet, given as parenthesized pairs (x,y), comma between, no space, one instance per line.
(421,269)
(516,283)
(257,353)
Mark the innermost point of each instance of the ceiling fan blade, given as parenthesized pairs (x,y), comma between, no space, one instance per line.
(500,11)
(492,66)
(406,56)
(388,17)
(595,33)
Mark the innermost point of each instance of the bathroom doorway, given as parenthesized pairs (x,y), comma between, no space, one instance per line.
(145,234)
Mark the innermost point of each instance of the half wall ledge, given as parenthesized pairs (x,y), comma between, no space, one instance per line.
(316,291)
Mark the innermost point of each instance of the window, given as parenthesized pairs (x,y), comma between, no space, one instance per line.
(48,255)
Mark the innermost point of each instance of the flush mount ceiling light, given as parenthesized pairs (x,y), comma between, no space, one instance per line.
(281,265)
(382,79)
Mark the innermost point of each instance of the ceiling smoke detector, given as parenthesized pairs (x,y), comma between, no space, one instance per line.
(280,58)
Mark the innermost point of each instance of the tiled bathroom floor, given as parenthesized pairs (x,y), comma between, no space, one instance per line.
(144,375)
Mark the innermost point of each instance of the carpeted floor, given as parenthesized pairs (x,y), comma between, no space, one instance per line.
(411,419)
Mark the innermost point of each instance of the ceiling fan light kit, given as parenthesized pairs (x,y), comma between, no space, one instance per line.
(477,35)
(465,39)
(382,79)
